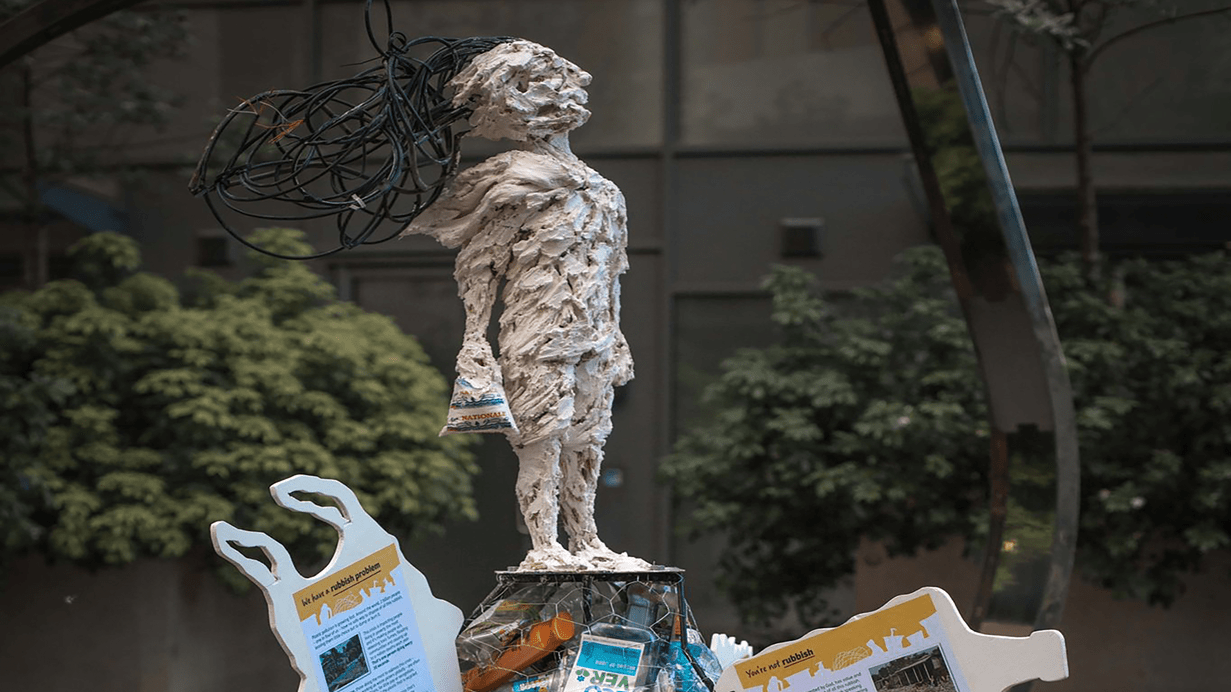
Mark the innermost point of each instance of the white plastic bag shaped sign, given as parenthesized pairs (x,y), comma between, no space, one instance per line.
(916,641)
(367,622)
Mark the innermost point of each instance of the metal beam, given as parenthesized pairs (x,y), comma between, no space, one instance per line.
(46,21)
(1002,298)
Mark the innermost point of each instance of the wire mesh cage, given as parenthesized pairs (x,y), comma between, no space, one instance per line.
(560,632)
(367,153)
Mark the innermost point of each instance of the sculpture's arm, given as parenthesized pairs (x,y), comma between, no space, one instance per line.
(480,266)
(478,197)
(483,212)
(455,217)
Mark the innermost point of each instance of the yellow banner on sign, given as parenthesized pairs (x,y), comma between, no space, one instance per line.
(839,647)
(345,588)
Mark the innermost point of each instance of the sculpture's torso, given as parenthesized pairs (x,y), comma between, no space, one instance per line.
(556,232)
(561,296)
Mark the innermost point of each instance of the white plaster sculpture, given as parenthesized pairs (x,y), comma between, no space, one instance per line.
(897,636)
(554,231)
(369,605)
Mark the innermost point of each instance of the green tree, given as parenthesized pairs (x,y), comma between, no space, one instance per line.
(866,420)
(133,418)
(1082,30)
(1151,372)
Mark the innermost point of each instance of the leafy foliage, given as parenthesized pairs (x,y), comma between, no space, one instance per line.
(130,419)
(860,422)
(866,420)
(1151,376)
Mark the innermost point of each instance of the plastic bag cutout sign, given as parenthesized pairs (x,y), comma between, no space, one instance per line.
(368,622)
(915,641)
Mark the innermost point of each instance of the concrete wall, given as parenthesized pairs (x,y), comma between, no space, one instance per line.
(154,626)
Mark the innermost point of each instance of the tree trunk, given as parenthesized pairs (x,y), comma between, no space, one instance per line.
(1087,204)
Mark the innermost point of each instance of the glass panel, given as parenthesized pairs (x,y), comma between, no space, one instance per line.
(709,329)
(619,42)
(783,72)
(261,48)
(735,209)
(423,301)
(1169,83)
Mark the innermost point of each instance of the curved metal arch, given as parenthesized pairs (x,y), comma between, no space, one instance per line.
(1001,295)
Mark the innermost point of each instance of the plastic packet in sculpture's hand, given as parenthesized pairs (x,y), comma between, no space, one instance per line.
(478,409)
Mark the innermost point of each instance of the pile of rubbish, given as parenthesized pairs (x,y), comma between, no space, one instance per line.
(600,632)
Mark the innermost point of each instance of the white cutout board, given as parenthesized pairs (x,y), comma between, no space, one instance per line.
(918,638)
(368,622)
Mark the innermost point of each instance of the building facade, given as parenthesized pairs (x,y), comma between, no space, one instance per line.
(743,133)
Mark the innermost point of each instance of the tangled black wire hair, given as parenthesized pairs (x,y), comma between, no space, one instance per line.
(372,149)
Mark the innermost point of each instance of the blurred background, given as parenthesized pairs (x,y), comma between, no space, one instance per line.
(744,134)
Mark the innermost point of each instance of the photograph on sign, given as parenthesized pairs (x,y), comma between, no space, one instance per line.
(924,670)
(344,664)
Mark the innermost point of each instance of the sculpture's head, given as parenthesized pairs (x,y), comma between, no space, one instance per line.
(521,91)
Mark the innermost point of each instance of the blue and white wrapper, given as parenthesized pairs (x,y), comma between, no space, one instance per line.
(478,410)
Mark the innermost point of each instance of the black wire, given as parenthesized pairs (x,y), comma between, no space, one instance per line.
(370,151)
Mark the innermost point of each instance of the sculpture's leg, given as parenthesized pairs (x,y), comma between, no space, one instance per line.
(581,462)
(580,485)
(538,482)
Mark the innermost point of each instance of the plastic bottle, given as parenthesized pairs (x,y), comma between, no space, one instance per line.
(536,643)
(704,657)
(635,627)
(683,675)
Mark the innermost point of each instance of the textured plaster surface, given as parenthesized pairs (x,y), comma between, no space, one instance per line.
(554,232)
